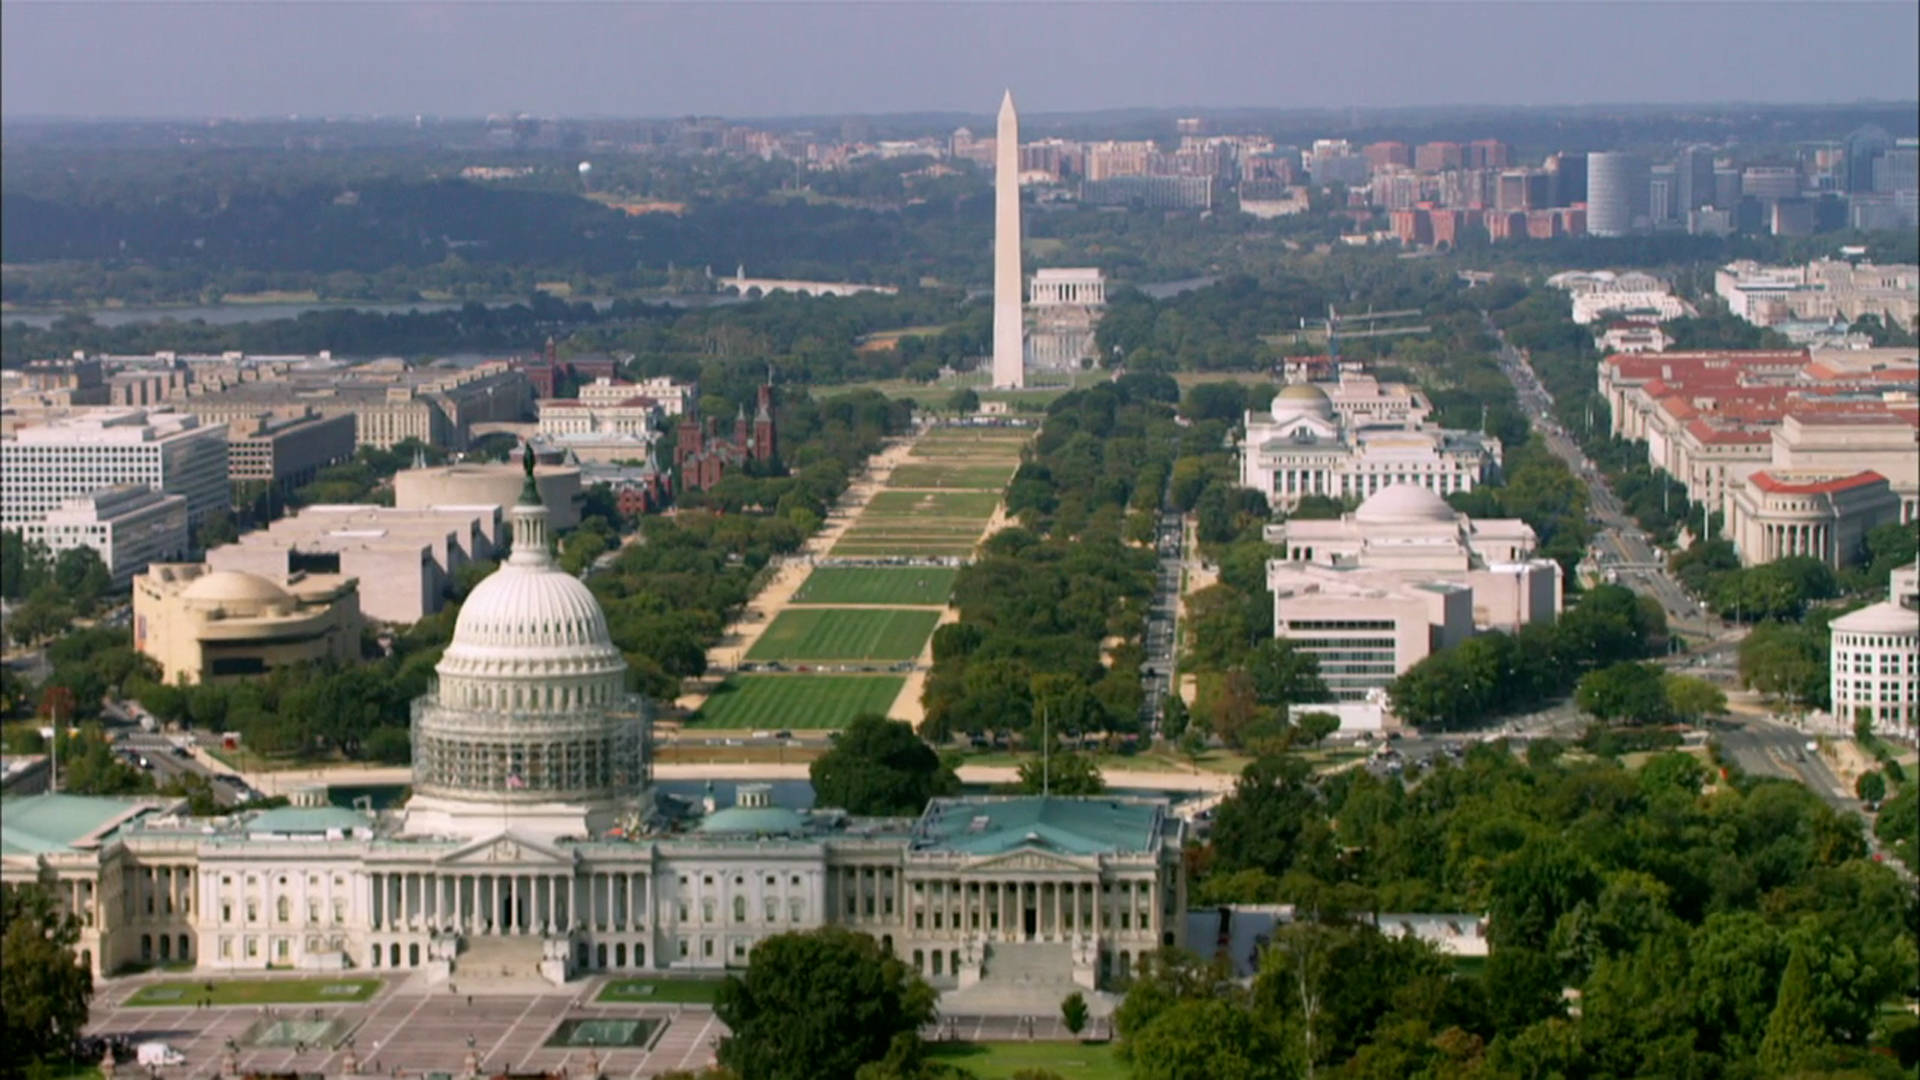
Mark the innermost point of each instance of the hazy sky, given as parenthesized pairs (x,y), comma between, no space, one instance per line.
(166,58)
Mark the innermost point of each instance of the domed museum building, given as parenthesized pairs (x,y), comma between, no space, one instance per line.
(535,846)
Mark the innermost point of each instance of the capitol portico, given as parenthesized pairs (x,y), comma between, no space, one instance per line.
(535,847)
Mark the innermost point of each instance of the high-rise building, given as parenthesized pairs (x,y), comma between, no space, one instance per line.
(1726,188)
(1899,168)
(1663,195)
(1618,185)
(1569,172)
(1693,177)
(1864,147)
(1435,156)
(172,453)
(1875,660)
(1009,330)
(1770,183)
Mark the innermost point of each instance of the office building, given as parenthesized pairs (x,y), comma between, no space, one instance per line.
(475,483)
(127,526)
(287,451)
(1364,627)
(201,625)
(1816,513)
(1151,192)
(1770,183)
(1865,148)
(390,401)
(1824,290)
(1693,180)
(1874,661)
(1618,185)
(173,453)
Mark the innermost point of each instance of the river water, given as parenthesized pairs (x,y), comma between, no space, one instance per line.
(232,314)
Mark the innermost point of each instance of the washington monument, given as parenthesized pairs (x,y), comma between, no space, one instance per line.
(1009,353)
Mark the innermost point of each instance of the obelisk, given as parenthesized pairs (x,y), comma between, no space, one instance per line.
(1009,332)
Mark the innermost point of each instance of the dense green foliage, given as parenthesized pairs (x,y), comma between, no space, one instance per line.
(818,1006)
(42,982)
(880,767)
(1053,612)
(1496,674)
(1674,906)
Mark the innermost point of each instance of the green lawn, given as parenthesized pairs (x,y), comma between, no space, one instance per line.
(945,475)
(663,991)
(921,505)
(878,585)
(800,702)
(268,991)
(877,544)
(1000,1060)
(806,635)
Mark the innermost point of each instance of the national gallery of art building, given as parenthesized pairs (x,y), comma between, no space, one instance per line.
(534,847)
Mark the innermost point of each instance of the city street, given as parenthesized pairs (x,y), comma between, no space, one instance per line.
(1622,548)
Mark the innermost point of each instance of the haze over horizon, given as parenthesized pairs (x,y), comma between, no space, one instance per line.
(160,59)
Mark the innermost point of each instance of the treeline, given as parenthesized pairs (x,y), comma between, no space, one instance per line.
(50,590)
(1653,922)
(1498,674)
(1053,612)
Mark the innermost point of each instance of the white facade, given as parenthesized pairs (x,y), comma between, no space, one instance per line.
(1081,286)
(1823,290)
(535,847)
(1874,661)
(1365,626)
(1303,447)
(1779,513)
(1009,323)
(1411,532)
(128,527)
(172,453)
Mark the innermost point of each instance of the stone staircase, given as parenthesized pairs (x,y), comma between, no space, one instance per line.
(488,963)
(1023,979)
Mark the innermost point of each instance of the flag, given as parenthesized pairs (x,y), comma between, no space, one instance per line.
(515,781)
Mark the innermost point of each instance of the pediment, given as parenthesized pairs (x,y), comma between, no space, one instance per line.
(505,849)
(1030,858)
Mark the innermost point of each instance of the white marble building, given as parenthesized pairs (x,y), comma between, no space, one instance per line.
(535,847)
(1305,445)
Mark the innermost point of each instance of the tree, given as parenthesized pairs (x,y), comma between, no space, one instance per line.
(1061,774)
(46,990)
(818,1005)
(1215,1039)
(1283,674)
(963,401)
(1692,699)
(1271,820)
(1073,1012)
(81,577)
(1315,726)
(1871,787)
(1793,1030)
(880,767)
(1627,691)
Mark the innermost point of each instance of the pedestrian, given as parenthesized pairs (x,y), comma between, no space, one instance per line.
(469,1001)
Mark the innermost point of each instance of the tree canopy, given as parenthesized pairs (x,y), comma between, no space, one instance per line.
(879,766)
(817,1006)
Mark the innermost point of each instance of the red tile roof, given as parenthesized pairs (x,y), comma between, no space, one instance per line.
(1767,482)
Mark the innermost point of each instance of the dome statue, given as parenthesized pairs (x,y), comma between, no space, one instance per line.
(530,722)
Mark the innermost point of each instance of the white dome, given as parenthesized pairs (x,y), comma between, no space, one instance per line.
(530,608)
(1403,503)
(234,587)
(1302,399)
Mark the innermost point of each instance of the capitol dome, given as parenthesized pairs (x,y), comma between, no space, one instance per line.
(1403,503)
(1302,399)
(531,708)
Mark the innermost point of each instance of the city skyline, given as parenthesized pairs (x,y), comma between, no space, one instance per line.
(742,60)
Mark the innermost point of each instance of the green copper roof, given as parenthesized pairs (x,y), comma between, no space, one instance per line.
(1072,826)
(43,824)
(302,819)
(760,820)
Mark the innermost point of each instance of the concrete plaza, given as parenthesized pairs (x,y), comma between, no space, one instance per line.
(406,1029)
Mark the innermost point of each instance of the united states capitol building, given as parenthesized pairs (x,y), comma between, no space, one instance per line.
(535,846)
